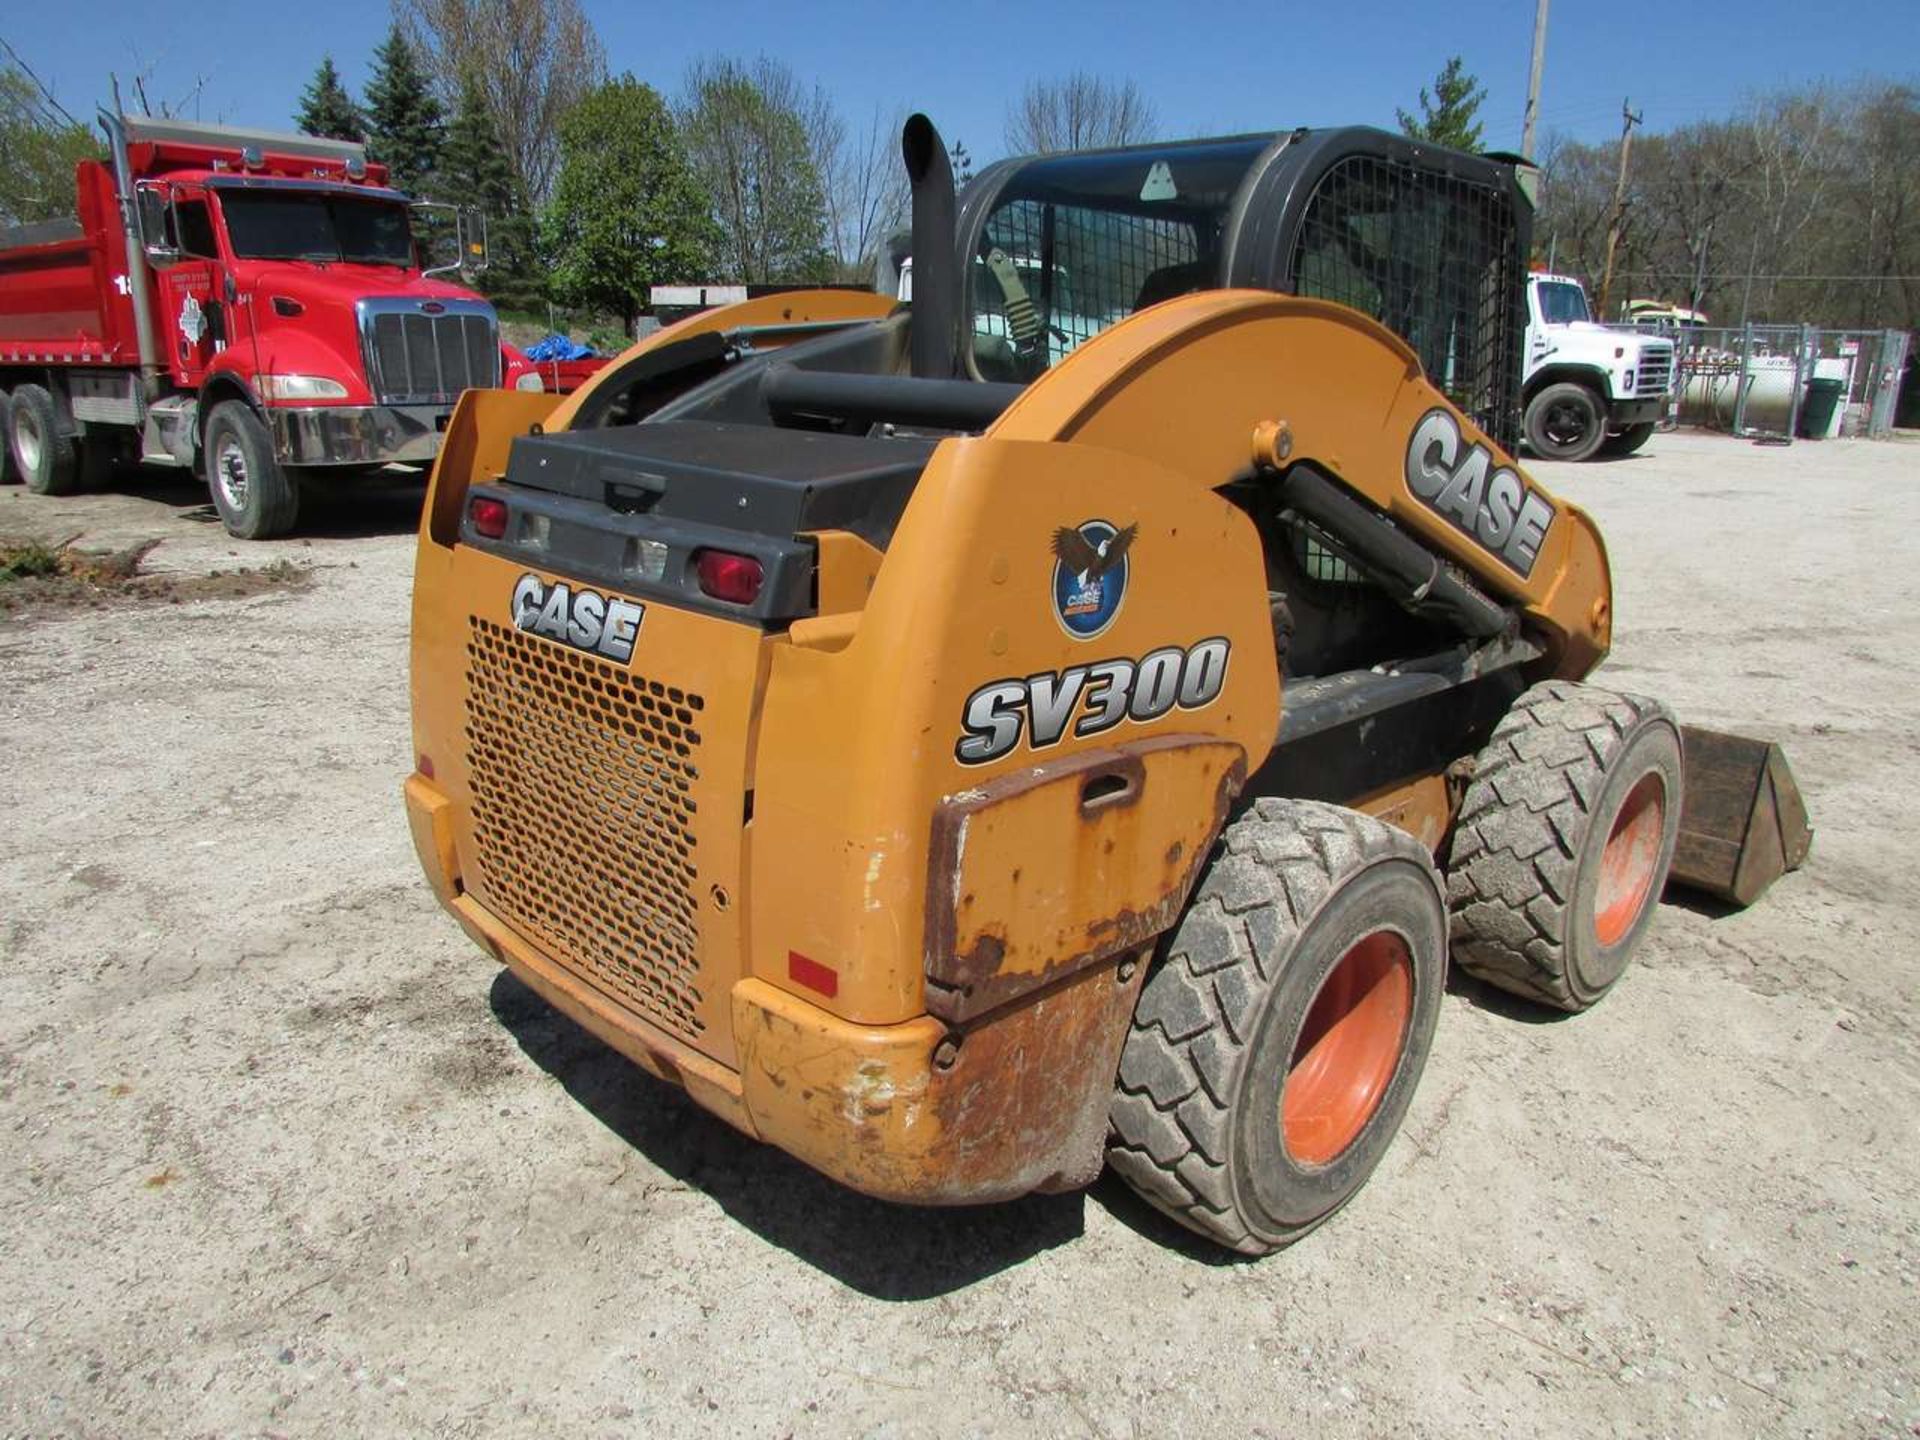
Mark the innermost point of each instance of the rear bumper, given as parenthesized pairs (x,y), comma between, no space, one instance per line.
(919,1112)
(358,434)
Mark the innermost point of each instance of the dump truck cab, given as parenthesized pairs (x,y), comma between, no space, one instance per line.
(256,306)
(888,721)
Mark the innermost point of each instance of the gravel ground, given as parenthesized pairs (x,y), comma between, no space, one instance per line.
(290,1157)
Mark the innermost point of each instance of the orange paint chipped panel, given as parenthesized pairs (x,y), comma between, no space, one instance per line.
(1051,868)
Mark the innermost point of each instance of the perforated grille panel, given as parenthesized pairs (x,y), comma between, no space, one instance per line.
(585,782)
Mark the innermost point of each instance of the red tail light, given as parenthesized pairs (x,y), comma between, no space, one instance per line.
(726,576)
(489,516)
(812,974)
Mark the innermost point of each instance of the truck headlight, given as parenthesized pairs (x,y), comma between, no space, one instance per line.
(529,381)
(1628,386)
(298,387)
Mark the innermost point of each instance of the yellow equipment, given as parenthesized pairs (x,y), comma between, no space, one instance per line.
(966,742)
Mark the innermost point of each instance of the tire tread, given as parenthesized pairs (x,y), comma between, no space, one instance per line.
(1172,1115)
(1515,850)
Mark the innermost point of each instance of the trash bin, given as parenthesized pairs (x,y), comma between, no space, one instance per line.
(1816,411)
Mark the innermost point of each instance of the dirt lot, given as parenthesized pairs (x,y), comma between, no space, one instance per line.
(289,1157)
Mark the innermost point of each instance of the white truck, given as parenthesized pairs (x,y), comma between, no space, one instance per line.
(1588,389)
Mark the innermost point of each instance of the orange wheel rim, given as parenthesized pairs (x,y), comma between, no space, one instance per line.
(1348,1049)
(1628,862)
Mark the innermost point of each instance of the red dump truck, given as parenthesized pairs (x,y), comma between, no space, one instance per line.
(253,306)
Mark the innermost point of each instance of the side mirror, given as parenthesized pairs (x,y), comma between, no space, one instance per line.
(469,233)
(152,215)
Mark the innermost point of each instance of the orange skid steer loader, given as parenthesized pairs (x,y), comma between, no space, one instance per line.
(1068,719)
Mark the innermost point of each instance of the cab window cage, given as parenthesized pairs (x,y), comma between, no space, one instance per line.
(1433,257)
(1081,269)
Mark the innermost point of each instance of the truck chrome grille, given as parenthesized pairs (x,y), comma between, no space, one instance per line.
(416,358)
(1656,370)
(585,780)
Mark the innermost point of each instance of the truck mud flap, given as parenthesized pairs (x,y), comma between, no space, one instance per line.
(1743,824)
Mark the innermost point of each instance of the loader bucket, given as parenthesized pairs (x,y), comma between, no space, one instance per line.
(1743,824)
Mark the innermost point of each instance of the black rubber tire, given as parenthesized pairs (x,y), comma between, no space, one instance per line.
(1628,440)
(264,500)
(1524,866)
(56,471)
(1195,1125)
(1566,422)
(9,472)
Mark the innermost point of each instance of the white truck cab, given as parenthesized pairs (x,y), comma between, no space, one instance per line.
(1588,387)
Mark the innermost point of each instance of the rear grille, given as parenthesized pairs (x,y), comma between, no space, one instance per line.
(418,359)
(584,780)
(1656,370)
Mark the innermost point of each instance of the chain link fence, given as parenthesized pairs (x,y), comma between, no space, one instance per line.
(1779,382)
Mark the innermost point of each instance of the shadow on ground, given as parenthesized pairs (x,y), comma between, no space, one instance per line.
(349,507)
(890,1252)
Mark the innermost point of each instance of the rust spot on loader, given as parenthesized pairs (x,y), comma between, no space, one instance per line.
(1096,875)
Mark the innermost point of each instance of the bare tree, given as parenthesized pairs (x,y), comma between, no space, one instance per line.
(866,187)
(756,137)
(1812,193)
(534,59)
(1078,112)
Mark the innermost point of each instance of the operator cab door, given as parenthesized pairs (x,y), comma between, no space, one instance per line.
(193,309)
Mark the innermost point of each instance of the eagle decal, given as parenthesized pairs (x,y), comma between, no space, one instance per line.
(1086,561)
(1091,563)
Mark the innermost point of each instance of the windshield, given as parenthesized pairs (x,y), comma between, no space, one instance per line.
(1076,243)
(291,225)
(1562,303)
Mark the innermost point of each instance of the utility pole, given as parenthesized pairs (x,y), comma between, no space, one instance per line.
(1528,125)
(1629,118)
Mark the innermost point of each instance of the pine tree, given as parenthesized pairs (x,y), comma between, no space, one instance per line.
(326,108)
(405,124)
(961,162)
(1446,116)
(475,173)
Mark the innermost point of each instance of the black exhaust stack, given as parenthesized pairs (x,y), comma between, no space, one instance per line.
(936,283)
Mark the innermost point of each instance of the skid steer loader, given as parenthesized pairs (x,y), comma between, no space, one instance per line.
(1069,719)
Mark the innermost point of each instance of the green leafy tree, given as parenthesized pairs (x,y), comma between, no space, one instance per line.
(747,134)
(627,211)
(326,108)
(39,146)
(1447,115)
(476,172)
(405,123)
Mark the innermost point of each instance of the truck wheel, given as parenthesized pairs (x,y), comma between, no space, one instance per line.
(1628,440)
(1275,1048)
(1564,841)
(1565,422)
(8,471)
(254,495)
(42,453)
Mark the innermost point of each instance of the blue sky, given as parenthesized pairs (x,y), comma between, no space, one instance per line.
(1212,67)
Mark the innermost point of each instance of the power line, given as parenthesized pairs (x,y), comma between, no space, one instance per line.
(38,83)
(1758,275)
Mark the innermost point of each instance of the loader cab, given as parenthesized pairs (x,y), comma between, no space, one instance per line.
(1060,248)
(1429,241)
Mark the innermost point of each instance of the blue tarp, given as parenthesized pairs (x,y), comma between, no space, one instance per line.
(559,347)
